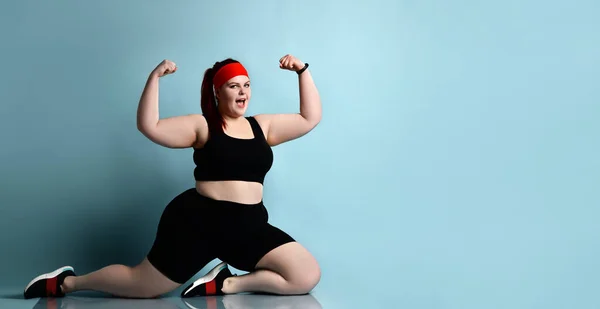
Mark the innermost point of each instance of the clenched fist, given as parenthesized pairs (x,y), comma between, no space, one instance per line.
(289,62)
(164,68)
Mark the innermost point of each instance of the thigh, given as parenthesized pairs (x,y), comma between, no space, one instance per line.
(244,248)
(150,282)
(182,246)
(293,262)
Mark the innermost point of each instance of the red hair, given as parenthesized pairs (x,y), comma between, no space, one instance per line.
(215,77)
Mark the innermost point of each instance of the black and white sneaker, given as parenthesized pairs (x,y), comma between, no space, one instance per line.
(48,285)
(210,284)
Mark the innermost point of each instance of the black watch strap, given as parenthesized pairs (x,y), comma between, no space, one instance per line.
(303,69)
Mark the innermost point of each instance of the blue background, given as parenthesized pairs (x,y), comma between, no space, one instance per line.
(456,165)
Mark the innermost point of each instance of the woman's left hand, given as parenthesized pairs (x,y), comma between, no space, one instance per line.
(291,63)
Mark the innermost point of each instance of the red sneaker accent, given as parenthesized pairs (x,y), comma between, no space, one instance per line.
(211,287)
(51,286)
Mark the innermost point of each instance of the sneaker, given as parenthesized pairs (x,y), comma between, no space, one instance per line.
(209,284)
(48,285)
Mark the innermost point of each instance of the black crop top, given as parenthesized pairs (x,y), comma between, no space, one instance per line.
(228,158)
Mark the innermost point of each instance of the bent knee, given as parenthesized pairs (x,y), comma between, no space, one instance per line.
(307,280)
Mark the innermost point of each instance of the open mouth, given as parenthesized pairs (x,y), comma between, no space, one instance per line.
(240,102)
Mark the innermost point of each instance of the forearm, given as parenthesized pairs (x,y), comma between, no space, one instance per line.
(310,101)
(147,114)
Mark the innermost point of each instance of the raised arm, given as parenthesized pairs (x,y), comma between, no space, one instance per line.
(174,132)
(281,128)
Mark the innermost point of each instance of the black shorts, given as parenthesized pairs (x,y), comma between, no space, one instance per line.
(194,230)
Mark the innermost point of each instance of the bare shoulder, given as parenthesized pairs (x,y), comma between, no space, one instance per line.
(263,120)
(281,128)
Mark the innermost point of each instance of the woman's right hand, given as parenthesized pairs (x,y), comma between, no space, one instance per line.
(164,68)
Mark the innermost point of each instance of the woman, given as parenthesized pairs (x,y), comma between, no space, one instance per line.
(223,215)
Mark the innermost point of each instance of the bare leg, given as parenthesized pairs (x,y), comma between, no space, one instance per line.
(141,281)
(287,270)
(262,280)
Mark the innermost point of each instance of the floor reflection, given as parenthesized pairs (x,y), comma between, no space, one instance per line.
(74,302)
(253,301)
(237,301)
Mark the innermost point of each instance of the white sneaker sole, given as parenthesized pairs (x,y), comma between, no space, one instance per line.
(208,277)
(49,275)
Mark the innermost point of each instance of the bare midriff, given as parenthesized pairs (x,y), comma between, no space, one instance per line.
(242,192)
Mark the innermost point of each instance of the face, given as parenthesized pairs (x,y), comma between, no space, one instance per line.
(234,95)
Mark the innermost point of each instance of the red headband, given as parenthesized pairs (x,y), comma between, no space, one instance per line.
(227,72)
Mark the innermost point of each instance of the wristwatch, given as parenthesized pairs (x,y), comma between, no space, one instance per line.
(303,69)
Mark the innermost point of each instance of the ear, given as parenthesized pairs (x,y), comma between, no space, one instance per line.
(217,94)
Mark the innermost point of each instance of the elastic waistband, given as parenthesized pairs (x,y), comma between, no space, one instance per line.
(225,204)
(217,213)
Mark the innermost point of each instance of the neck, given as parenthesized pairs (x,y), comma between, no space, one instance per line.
(229,119)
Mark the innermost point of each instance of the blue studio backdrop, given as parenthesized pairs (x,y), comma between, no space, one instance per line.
(456,164)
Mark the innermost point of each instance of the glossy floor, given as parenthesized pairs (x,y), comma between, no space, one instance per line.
(12,299)
(245,301)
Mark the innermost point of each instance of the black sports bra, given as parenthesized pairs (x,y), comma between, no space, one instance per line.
(228,158)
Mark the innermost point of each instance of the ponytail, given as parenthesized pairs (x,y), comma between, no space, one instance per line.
(208,102)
